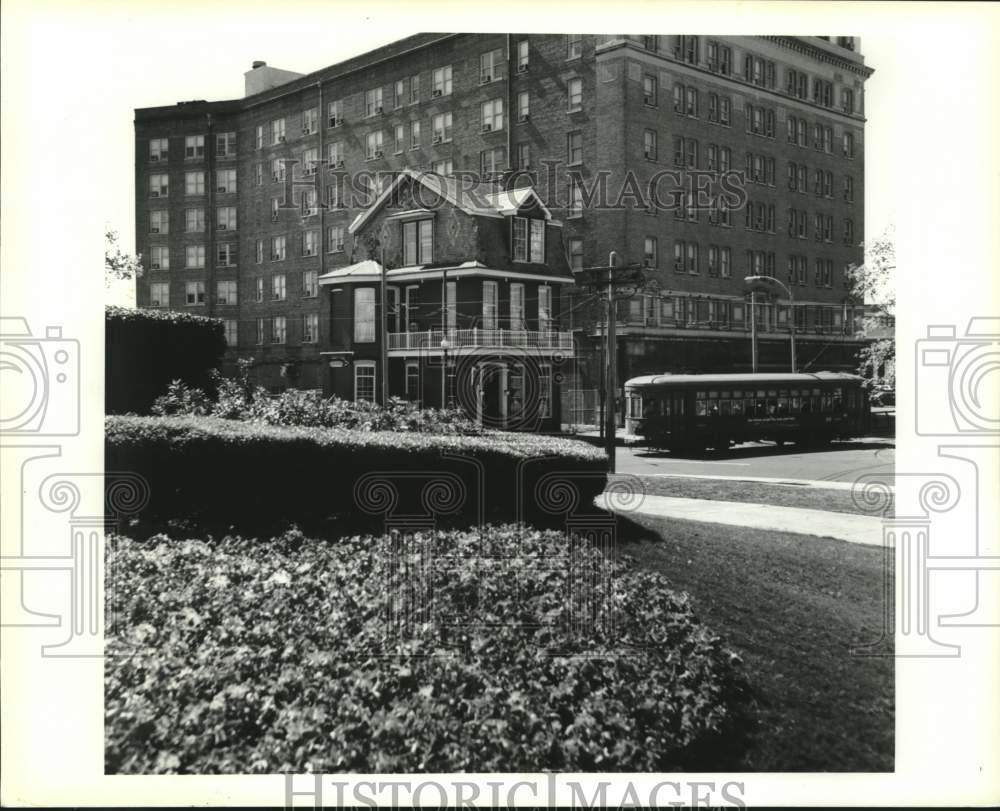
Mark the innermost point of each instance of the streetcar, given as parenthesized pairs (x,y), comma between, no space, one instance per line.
(693,412)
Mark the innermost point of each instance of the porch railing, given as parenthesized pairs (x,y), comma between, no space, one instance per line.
(482,338)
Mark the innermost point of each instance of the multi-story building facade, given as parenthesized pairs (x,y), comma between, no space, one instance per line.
(243,205)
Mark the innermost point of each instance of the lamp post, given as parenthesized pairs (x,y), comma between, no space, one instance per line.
(764,281)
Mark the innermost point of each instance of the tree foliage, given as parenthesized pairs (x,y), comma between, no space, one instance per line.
(117,263)
(874,284)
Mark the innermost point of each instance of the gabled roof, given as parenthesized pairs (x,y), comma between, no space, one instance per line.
(478,199)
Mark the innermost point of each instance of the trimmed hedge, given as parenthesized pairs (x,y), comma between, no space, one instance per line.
(247,656)
(145,350)
(246,474)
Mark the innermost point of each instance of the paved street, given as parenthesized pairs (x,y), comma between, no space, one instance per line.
(839,462)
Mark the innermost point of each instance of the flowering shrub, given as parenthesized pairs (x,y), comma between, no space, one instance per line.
(242,656)
(182,399)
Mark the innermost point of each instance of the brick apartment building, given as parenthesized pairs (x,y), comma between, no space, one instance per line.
(242,206)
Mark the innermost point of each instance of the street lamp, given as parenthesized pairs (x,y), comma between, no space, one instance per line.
(445,346)
(765,281)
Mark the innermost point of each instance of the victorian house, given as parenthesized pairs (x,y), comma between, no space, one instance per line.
(453,300)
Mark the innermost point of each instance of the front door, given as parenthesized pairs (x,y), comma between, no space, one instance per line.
(492,393)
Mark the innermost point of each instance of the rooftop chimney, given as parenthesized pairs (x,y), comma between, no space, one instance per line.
(261,77)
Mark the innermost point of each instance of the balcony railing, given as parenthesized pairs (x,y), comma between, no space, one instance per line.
(478,338)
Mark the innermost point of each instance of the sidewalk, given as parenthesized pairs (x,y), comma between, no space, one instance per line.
(857,529)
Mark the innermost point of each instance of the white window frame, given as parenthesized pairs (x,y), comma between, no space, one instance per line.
(160,298)
(370,372)
(198,288)
(544,308)
(490,300)
(364,315)
(226,292)
(310,283)
(517,321)
(310,328)
(279,287)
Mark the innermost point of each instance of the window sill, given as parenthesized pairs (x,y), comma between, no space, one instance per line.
(571,110)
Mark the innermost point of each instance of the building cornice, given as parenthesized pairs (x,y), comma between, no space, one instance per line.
(804,46)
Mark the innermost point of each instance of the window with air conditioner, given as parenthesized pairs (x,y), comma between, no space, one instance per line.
(492,115)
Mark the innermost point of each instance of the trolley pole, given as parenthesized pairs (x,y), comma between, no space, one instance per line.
(612,282)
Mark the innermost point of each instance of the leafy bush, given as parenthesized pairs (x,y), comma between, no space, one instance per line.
(239,398)
(253,475)
(237,655)
(145,350)
(182,399)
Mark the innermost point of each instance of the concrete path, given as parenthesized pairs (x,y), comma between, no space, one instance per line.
(814,483)
(858,529)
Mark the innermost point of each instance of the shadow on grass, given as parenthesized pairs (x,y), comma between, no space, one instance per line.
(758,451)
(793,607)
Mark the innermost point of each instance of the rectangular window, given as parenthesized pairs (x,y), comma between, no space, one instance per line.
(489,305)
(310,120)
(278,287)
(414,134)
(158,148)
(491,66)
(399,138)
(649,94)
(194,147)
(159,222)
(310,328)
(159,185)
(194,256)
(260,331)
(441,128)
(258,248)
(231,333)
(412,381)
(492,161)
(575,207)
(576,254)
(523,106)
(194,184)
(848,145)
(574,148)
(225,218)
(364,380)
(538,241)
(159,258)
(544,390)
(259,137)
(574,46)
(649,253)
(225,181)
(524,156)
(335,237)
(373,145)
(364,315)
(194,293)
(522,56)
(310,242)
(225,292)
(517,306)
(373,102)
(649,144)
(492,115)
(225,145)
(258,289)
(544,307)
(444,167)
(277,248)
(399,94)
(279,329)
(278,131)
(310,284)
(441,81)
(414,89)
(451,305)
(574,95)
(692,258)
(849,188)
(310,159)
(418,242)
(258,174)
(225,255)
(725,262)
(278,170)
(520,239)
(335,113)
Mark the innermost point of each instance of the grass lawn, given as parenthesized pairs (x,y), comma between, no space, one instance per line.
(781,495)
(792,606)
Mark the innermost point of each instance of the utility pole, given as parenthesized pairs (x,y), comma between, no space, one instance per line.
(613,281)
(753,331)
(384,337)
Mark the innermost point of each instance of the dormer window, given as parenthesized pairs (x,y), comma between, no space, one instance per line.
(528,240)
(418,242)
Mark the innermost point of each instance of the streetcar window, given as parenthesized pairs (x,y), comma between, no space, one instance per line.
(783,404)
(635,406)
(725,407)
(700,408)
(796,402)
(737,405)
(665,406)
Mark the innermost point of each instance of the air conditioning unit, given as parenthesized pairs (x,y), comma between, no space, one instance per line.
(155,266)
(379,153)
(436,94)
(309,212)
(522,68)
(274,216)
(338,164)
(306,130)
(378,110)
(340,246)
(487,127)
(647,263)
(154,158)
(437,139)
(154,193)
(154,230)
(523,117)
(486,78)
(275,257)
(223,189)
(334,122)
(223,227)
(647,100)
